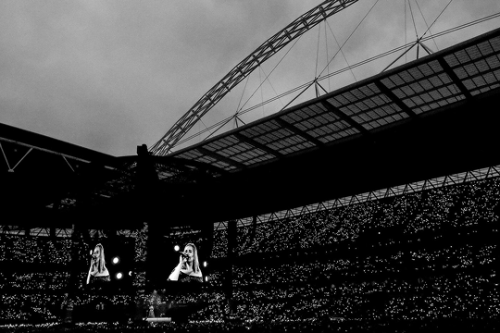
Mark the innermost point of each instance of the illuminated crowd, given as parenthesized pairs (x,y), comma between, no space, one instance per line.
(454,206)
(36,277)
(336,325)
(419,257)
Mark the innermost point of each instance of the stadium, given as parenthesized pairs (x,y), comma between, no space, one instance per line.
(368,207)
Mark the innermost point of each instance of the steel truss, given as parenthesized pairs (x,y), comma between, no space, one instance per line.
(265,51)
(16,154)
(57,232)
(13,162)
(37,232)
(416,187)
(120,232)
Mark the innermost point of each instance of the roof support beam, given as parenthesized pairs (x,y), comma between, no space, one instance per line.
(395,99)
(221,158)
(448,70)
(344,117)
(259,145)
(295,130)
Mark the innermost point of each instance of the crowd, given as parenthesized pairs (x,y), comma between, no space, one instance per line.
(34,250)
(426,255)
(459,295)
(38,272)
(44,307)
(318,326)
(397,263)
(446,207)
(420,257)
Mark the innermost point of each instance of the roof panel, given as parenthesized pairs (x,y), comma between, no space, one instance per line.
(471,69)
(250,154)
(318,108)
(326,117)
(317,132)
(315,122)
(482,66)
(385,120)
(484,89)
(339,125)
(452,60)
(416,73)
(206,159)
(260,129)
(259,159)
(462,56)
(304,125)
(432,67)
(338,135)
(359,94)
(479,81)
(234,151)
(489,78)
(426,70)
(307,112)
(296,148)
(495,43)
(291,118)
(373,114)
(485,48)
(338,101)
(223,165)
(493,61)
(370,89)
(391,82)
(283,146)
(190,155)
(349,110)
(302,113)
(228,152)
(473,52)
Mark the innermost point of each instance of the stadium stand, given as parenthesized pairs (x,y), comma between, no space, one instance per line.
(422,256)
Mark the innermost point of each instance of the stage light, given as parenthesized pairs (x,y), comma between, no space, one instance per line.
(119,276)
(130,273)
(177,248)
(116,260)
(205,264)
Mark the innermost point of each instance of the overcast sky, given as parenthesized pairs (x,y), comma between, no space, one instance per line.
(111,75)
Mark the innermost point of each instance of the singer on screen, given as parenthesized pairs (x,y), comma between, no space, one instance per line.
(98,272)
(188,269)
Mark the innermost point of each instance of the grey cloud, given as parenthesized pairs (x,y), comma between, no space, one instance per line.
(111,75)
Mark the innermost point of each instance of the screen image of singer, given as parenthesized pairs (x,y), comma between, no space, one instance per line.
(109,286)
(118,255)
(175,289)
(41,275)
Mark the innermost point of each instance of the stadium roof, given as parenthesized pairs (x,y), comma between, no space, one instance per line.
(431,117)
(404,94)
(38,172)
